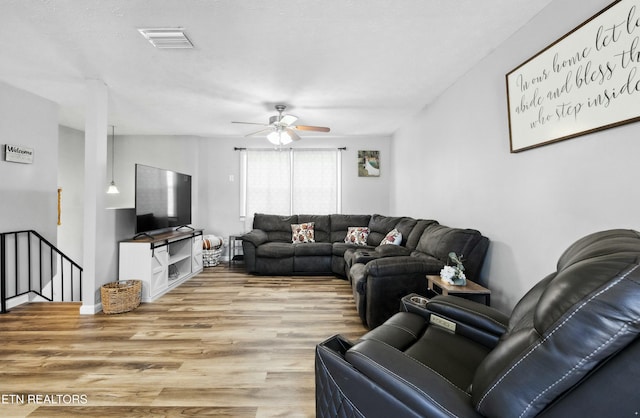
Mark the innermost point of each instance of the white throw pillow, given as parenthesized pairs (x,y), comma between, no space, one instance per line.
(393,237)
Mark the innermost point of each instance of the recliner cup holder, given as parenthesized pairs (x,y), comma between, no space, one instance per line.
(419,300)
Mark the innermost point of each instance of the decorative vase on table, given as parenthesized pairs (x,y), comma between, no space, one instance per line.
(454,274)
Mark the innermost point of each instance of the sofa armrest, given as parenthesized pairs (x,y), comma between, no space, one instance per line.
(391,251)
(385,281)
(470,312)
(339,387)
(397,266)
(363,257)
(256,237)
(415,385)
(473,320)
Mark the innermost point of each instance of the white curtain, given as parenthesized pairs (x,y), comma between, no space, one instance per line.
(290,181)
(315,180)
(268,182)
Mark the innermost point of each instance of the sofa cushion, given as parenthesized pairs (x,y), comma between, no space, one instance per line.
(302,233)
(379,226)
(313,249)
(357,235)
(340,223)
(405,226)
(321,226)
(275,250)
(413,237)
(439,240)
(277,227)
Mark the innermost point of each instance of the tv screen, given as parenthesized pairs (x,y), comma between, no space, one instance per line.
(163,199)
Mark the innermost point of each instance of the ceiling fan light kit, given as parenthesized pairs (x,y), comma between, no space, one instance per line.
(279,138)
(280,128)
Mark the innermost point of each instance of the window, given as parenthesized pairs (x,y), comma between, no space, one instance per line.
(291,181)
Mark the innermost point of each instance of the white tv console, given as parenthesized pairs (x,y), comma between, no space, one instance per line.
(161,261)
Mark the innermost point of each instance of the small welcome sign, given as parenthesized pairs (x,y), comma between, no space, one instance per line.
(18,154)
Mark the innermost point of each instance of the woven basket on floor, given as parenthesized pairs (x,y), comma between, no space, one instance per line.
(211,258)
(122,296)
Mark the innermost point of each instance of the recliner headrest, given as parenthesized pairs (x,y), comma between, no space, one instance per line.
(565,326)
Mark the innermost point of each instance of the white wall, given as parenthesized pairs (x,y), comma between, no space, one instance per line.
(28,192)
(116,226)
(220,197)
(71,181)
(534,204)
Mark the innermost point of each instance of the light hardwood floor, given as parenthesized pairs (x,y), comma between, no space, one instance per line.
(221,344)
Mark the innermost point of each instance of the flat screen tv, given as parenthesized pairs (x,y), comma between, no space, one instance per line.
(163,199)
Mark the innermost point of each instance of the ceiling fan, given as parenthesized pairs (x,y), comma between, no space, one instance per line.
(281,128)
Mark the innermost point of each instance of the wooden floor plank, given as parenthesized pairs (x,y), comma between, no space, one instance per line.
(223,344)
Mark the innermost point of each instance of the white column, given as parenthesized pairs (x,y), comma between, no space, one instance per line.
(95,183)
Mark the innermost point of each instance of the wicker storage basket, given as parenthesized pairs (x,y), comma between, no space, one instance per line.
(211,258)
(211,250)
(122,296)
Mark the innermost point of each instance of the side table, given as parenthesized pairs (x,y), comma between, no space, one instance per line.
(234,257)
(471,288)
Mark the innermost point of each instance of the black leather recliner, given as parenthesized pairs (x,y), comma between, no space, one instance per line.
(571,347)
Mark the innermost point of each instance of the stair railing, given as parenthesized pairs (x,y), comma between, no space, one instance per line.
(31,266)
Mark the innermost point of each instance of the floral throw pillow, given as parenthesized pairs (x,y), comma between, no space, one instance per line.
(303,233)
(357,235)
(394,237)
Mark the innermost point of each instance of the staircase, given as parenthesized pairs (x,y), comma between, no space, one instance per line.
(33,269)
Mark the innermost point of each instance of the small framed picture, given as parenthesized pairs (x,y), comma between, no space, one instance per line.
(368,163)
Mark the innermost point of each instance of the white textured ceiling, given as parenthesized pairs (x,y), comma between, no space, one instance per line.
(361,67)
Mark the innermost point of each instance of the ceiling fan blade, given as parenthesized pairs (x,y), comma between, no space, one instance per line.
(288,119)
(259,132)
(294,136)
(311,128)
(251,123)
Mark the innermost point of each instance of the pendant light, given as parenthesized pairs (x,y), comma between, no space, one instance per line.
(113,189)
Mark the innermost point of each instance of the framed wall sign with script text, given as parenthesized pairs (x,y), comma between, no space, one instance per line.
(586,81)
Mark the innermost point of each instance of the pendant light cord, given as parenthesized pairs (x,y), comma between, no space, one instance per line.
(113,150)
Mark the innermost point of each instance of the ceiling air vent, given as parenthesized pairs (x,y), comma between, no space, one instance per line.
(167,38)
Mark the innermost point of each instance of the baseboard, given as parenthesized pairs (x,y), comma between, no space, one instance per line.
(90,309)
(17,301)
(28,298)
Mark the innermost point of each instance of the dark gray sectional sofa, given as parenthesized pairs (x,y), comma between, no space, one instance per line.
(380,275)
